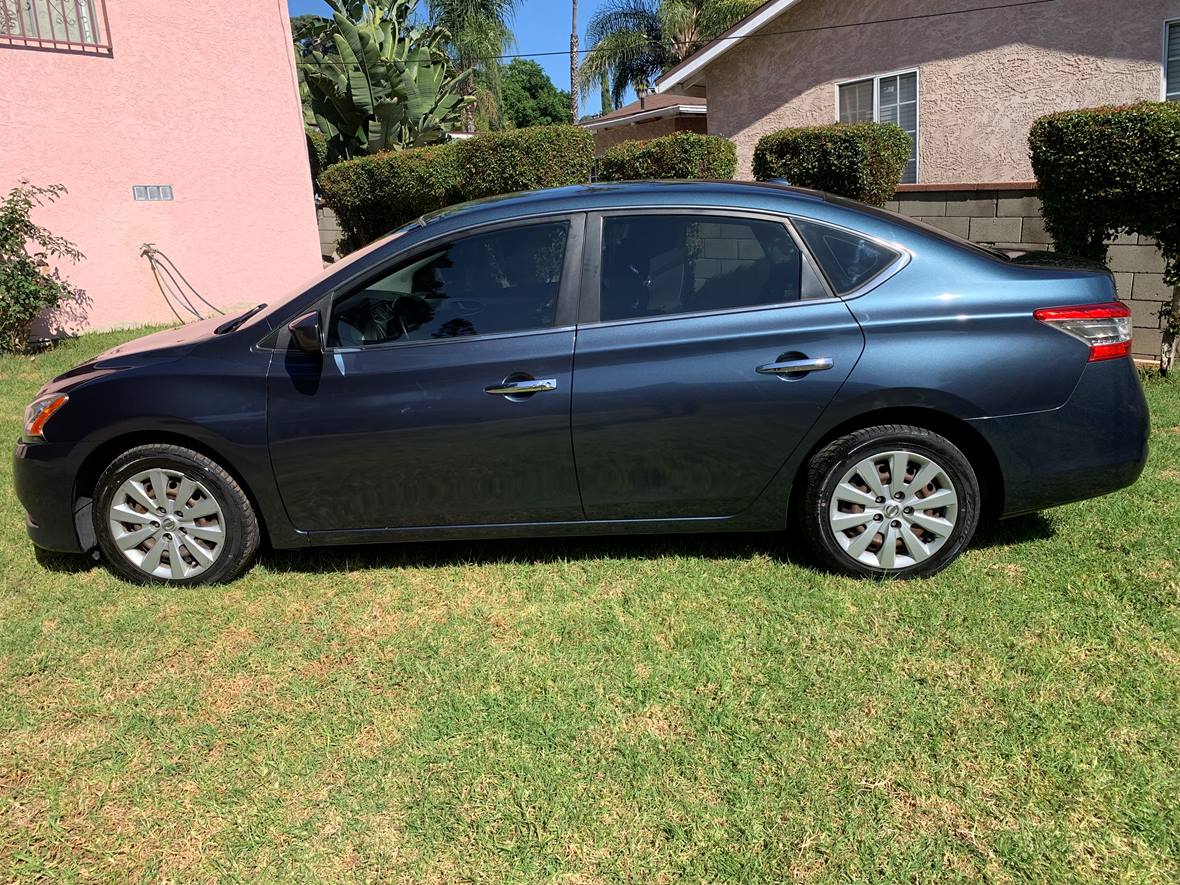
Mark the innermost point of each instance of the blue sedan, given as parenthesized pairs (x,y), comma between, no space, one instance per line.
(604,359)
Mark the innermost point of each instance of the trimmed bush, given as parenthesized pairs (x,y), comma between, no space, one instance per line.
(683,155)
(1102,171)
(372,195)
(375,194)
(317,152)
(861,161)
(523,160)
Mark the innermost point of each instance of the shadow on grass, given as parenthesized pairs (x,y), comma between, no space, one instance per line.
(443,554)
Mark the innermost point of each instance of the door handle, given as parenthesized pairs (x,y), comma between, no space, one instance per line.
(522,387)
(796,367)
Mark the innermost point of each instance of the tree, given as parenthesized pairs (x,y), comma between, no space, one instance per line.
(480,31)
(388,83)
(574,98)
(530,98)
(632,42)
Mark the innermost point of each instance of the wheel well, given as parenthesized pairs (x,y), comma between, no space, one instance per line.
(963,435)
(98,461)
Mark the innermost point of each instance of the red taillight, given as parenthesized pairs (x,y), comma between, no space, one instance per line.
(1106,328)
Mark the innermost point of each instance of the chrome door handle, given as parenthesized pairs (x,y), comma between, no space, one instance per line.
(522,388)
(792,367)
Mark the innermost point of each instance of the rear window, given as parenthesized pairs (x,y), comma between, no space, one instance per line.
(848,260)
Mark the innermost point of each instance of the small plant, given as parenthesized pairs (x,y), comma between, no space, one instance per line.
(861,161)
(683,155)
(29,284)
(1102,171)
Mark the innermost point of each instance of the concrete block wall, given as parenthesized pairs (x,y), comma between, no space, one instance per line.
(330,233)
(1009,217)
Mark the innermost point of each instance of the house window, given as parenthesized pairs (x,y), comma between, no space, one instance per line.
(1172,60)
(79,25)
(892,98)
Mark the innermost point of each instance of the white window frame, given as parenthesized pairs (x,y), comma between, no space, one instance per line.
(1168,24)
(876,79)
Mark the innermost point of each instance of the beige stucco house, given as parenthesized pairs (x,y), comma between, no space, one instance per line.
(651,116)
(967,78)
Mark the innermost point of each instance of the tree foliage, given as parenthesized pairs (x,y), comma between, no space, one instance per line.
(632,42)
(479,32)
(530,98)
(373,80)
(28,282)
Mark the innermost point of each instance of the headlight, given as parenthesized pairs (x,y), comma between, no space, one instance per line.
(38,414)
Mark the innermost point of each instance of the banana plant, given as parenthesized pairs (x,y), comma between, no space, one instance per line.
(374,81)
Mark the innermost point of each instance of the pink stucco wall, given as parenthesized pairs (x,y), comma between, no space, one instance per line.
(984,77)
(197,96)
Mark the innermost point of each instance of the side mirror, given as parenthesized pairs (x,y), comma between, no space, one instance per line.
(305,333)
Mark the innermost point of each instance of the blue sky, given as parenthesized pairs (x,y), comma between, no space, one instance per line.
(540,26)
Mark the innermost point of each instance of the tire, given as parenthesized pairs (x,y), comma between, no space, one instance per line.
(214,530)
(837,500)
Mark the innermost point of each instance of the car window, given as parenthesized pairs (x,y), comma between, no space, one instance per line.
(656,265)
(848,260)
(502,281)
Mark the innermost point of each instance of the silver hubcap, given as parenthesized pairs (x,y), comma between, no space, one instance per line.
(167,524)
(893,510)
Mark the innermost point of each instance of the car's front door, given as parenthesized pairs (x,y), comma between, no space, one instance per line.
(443,394)
(707,347)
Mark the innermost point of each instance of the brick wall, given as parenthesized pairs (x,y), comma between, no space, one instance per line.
(1009,217)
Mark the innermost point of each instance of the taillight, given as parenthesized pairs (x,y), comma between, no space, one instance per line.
(1106,328)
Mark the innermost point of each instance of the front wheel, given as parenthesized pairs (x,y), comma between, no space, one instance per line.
(167,514)
(890,501)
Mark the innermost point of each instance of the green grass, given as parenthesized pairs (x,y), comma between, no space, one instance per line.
(601,710)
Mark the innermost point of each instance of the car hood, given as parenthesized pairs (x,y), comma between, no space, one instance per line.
(159,347)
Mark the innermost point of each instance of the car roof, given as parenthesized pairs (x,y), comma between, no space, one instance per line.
(626,194)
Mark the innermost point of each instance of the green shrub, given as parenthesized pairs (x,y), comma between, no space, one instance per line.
(28,282)
(683,155)
(373,195)
(523,160)
(1104,170)
(317,152)
(861,161)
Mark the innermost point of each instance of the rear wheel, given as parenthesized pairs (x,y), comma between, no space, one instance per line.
(890,501)
(167,514)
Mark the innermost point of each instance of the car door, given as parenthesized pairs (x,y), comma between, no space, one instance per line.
(708,345)
(443,394)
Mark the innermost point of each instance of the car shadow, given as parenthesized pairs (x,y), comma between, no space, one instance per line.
(534,551)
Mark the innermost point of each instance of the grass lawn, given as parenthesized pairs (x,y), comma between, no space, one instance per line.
(604,710)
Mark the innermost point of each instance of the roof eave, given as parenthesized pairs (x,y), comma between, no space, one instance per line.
(689,73)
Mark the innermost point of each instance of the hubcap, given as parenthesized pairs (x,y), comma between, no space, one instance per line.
(167,524)
(893,510)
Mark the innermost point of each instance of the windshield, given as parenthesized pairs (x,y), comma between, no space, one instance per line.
(280,303)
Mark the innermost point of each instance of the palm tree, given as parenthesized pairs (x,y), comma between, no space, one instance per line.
(574,100)
(480,32)
(632,42)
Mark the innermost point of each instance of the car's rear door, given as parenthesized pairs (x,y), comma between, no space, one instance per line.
(707,346)
(443,395)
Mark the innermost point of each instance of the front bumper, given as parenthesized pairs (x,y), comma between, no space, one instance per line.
(1094,444)
(43,475)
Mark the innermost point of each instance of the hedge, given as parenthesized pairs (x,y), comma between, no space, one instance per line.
(1104,170)
(373,195)
(317,152)
(683,155)
(861,161)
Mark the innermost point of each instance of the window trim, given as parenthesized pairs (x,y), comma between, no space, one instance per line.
(876,80)
(567,293)
(589,306)
(1169,23)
